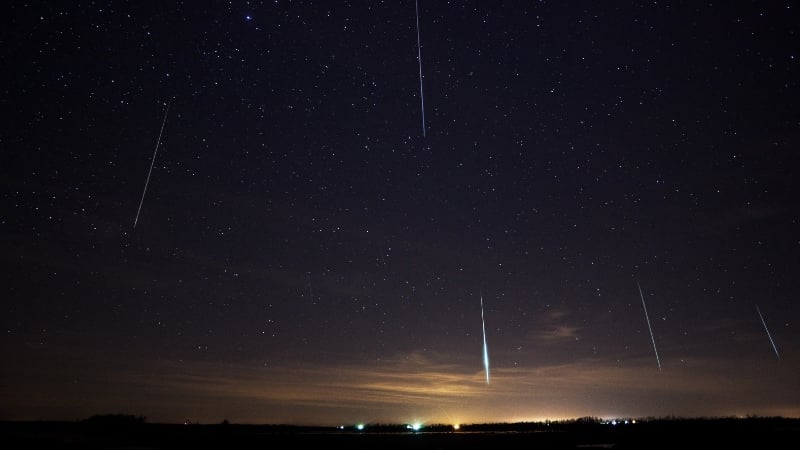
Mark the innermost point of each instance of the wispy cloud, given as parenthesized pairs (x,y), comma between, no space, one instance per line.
(416,385)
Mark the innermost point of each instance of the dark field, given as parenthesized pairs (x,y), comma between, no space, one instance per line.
(769,433)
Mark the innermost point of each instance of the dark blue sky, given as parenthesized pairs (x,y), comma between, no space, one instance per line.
(304,255)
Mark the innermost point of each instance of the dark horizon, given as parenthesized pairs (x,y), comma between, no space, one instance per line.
(773,432)
(124,420)
(131,420)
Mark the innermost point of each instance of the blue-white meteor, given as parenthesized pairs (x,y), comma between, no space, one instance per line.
(485,347)
(768,335)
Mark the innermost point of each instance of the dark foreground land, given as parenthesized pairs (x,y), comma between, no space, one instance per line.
(767,433)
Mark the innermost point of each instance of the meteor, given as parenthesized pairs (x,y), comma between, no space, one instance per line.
(768,335)
(147,181)
(649,327)
(485,348)
(419,59)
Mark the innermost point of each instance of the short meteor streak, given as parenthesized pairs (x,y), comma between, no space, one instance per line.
(649,327)
(485,348)
(768,335)
(147,181)
(419,59)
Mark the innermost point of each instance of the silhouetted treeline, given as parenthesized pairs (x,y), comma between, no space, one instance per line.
(127,431)
(115,420)
(587,422)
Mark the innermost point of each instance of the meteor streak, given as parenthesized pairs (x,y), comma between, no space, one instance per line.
(485,348)
(649,327)
(768,335)
(147,181)
(419,59)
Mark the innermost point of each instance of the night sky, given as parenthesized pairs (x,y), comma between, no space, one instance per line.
(305,255)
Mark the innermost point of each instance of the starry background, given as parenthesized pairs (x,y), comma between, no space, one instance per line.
(305,255)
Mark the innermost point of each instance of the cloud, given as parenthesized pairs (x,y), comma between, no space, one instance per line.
(409,386)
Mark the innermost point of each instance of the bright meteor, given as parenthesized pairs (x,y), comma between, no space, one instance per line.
(485,348)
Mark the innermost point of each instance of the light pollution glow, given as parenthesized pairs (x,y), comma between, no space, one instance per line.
(414,388)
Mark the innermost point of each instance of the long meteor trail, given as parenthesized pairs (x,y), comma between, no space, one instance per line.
(485,348)
(649,327)
(147,181)
(768,335)
(419,59)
